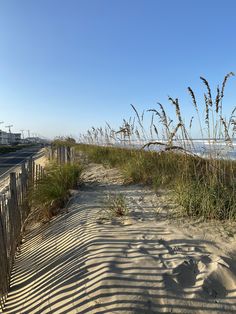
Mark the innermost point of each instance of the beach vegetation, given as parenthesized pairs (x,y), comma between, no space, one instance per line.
(52,191)
(165,154)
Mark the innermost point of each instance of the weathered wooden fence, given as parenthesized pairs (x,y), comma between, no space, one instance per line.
(62,154)
(14,210)
(13,213)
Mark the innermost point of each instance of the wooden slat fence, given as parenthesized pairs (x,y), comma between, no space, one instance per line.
(14,210)
(13,213)
(62,154)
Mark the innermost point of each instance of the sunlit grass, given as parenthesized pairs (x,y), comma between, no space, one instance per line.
(51,192)
(204,186)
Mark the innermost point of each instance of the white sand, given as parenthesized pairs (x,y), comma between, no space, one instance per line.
(145,263)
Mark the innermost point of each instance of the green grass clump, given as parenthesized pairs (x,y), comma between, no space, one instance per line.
(115,206)
(63,141)
(207,201)
(51,192)
(209,190)
(108,156)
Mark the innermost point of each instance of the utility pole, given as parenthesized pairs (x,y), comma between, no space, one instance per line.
(9,127)
(28,133)
(22,132)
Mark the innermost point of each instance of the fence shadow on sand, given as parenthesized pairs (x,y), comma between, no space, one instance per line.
(74,264)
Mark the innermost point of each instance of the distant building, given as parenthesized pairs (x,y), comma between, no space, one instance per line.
(4,138)
(34,140)
(9,138)
(14,138)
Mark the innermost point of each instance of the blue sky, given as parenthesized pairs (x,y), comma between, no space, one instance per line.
(67,65)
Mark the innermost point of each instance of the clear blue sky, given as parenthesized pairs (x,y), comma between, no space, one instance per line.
(67,65)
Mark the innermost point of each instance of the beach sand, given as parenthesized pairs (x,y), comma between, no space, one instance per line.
(151,261)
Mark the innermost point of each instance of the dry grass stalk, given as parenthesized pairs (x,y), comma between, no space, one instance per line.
(209,98)
(191,122)
(217,100)
(227,76)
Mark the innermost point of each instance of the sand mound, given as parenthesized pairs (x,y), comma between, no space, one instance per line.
(142,263)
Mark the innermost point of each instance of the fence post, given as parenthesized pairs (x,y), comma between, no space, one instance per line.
(23,178)
(13,189)
(14,215)
(63,154)
(72,154)
(36,174)
(58,155)
(33,172)
(50,157)
(68,153)
(30,171)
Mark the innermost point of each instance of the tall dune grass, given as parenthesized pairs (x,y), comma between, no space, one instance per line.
(204,186)
(51,192)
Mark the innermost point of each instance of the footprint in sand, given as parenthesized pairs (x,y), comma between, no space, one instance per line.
(217,280)
(209,276)
(184,275)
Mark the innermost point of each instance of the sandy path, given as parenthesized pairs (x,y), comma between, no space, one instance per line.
(144,263)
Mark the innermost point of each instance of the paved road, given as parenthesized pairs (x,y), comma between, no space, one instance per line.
(7,161)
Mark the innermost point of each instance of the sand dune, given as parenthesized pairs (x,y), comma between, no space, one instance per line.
(147,262)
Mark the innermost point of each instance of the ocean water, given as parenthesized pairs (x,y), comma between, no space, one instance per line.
(205,148)
(218,149)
